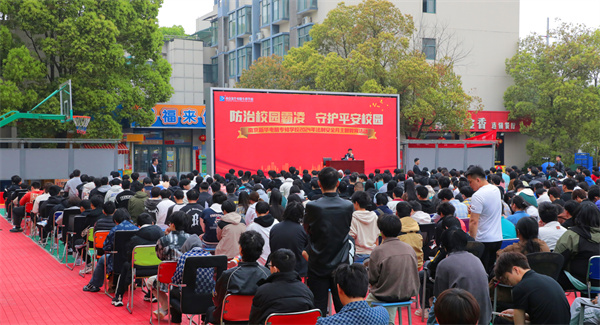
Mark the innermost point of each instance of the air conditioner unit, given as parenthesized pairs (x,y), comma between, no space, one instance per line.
(259,35)
(306,20)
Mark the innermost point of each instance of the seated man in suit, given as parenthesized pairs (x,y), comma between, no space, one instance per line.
(349,155)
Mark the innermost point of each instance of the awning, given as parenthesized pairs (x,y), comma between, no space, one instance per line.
(123,150)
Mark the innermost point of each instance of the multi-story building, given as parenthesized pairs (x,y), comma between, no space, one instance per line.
(479,35)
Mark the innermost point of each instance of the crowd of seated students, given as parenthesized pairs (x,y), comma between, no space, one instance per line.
(280,227)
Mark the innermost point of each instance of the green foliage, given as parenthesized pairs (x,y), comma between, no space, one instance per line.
(175,30)
(556,92)
(111,51)
(365,48)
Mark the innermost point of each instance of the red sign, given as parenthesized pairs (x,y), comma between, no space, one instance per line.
(274,131)
(485,121)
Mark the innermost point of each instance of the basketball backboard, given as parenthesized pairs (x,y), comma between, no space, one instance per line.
(66,100)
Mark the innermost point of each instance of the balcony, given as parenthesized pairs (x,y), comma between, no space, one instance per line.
(307,6)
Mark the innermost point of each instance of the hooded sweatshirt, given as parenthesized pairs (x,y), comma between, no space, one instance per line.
(410,235)
(229,230)
(136,204)
(87,188)
(111,194)
(263,226)
(421,217)
(151,206)
(577,245)
(364,231)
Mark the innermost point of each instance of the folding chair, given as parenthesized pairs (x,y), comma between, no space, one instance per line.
(236,308)
(428,233)
(190,302)
(89,250)
(503,294)
(120,242)
(54,233)
(398,307)
(546,263)
(74,229)
(28,228)
(67,230)
(99,237)
(166,269)
(307,317)
(593,274)
(143,257)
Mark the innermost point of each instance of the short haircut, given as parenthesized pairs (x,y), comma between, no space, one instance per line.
(572,207)
(506,261)
(362,198)
(85,204)
(155,192)
(415,205)
(594,193)
(456,306)
(467,191)
(445,194)
(403,209)
(398,191)
(422,191)
(147,180)
(104,180)
(548,212)
(352,279)
(475,171)
(54,190)
(251,243)
(184,182)
(444,182)
(77,172)
(555,192)
(216,187)
(445,209)
(36,185)
(165,193)
(97,201)
(569,183)
(417,159)
(178,194)
(109,208)
(579,194)
(262,207)
(328,177)
(178,219)
(120,215)
(389,225)
(126,184)
(144,219)
(192,195)
(294,211)
(219,197)
(283,259)
(381,199)
(230,188)
(116,181)
(454,240)
(228,206)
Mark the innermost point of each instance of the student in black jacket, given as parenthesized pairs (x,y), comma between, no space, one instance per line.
(282,292)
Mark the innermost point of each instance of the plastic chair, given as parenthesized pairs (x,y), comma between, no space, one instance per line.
(165,273)
(120,242)
(54,233)
(190,302)
(475,248)
(74,229)
(508,242)
(593,274)
(68,215)
(99,238)
(142,256)
(89,251)
(398,306)
(546,263)
(307,317)
(236,308)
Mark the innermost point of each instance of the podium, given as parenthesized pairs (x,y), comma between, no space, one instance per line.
(353,165)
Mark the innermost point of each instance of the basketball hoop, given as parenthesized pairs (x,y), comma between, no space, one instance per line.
(81,123)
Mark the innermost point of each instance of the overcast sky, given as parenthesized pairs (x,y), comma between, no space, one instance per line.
(533,13)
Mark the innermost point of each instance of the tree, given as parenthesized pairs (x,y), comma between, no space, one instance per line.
(556,91)
(366,48)
(175,30)
(266,73)
(111,50)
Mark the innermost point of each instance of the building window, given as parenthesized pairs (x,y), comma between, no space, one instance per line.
(303,34)
(232,71)
(265,12)
(265,48)
(244,59)
(280,10)
(429,6)
(232,25)
(281,44)
(307,5)
(244,18)
(429,48)
(214,30)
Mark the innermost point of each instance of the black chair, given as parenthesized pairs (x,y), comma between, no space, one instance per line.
(68,215)
(546,263)
(475,248)
(428,233)
(48,216)
(118,254)
(190,302)
(74,229)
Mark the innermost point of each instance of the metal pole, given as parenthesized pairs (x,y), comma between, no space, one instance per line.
(116,161)
(465,162)
(22,154)
(71,158)
(548,31)
(437,156)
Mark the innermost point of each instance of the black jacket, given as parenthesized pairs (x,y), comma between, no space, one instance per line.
(104,223)
(122,199)
(290,235)
(281,292)
(203,198)
(427,206)
(327,223)
(240,280)
(151,173)
(148,235)
(92,217)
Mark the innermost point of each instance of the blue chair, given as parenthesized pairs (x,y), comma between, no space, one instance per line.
(398,306)
(593,274)
(508,242)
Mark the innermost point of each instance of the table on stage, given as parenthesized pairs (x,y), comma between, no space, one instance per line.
(353,165)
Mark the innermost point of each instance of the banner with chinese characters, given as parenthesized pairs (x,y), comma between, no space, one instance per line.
(179,116)
(485,121)
(274,131)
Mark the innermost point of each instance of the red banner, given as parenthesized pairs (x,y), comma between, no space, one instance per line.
(485,121)
(274,131)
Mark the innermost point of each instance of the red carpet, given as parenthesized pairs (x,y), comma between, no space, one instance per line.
(36,289)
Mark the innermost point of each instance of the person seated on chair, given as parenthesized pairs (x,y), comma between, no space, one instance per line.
(579,243)
(527,232)
(263,224)
(388,259)
(461,269)
(242,279)
(122,220)
(363,227)
(536,297)
(229,229)
(456,306)
(410,232)
(205,283)
(550,230)
(349,155)
(148,234)
(283,291)
(591,313)
(352,285)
